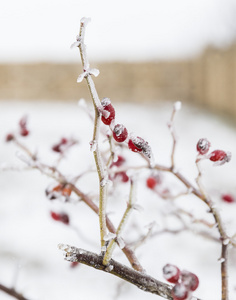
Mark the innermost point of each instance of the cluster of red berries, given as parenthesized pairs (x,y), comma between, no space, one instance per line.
(185,282)
(57,191)
(23,130)
(120,132)
(61,217)
(218,156)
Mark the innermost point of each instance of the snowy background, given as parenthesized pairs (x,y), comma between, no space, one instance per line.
(29,237)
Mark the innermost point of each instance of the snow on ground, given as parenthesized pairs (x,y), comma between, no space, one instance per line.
(29,237)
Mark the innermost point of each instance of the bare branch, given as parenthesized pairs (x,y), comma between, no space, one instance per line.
(12,292)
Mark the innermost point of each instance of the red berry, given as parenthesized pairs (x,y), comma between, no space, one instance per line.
(120,133)
(119,162)
(220,156)
(55,216)
(152,181)
(203,146)
(74,264)
(123,176)
(190,280)
(228,198)
(109,113)
(135,146)
(9,137)
(180,292)
(171,273)
(24,132)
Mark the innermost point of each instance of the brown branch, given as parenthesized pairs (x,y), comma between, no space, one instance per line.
(12,292)
(140,280)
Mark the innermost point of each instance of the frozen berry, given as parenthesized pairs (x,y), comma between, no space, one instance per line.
(180,292)
(109,112)
(24,132)
(203,146)
(228,198)
(152,181)
(120,133)
(220,156)
(119,162)
(171,273)
(74,264)
(190,280)
(134,144)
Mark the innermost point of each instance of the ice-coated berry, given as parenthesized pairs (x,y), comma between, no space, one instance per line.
(180,292)
(120,133)
(203,146)
(220,156)
(171,273)
(152,181)
(190,280)
(228,198)
(135,145)
(109,113)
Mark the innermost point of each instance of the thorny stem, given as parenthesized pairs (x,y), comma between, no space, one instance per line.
(12,292)
(102,174)
(113,242)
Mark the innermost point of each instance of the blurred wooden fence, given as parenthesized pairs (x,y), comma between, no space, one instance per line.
(209,80)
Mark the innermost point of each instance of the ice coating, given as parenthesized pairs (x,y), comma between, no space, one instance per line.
(118,129)
(105,102)
(109,236)
(177,105)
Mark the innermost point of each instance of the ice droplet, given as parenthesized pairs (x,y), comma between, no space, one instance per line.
(226,241)
(221,260)
(85,21)
(109,236)
(94,72)
(109,268)
(93,146)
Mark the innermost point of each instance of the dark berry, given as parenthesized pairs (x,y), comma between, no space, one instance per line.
(180,292)
(228,198)
(64,218)
(109,112)
(120,133)
(171,273)
(24,132)
(190,280)
(9,137)
(203,146)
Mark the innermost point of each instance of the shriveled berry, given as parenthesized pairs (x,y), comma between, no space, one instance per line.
(190,280)
(220,156)
(171,273)
(24,132)
(180,292)
(228,198)
(203,146)
(120,133)
(109,113)
(23,126)
(9,137)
